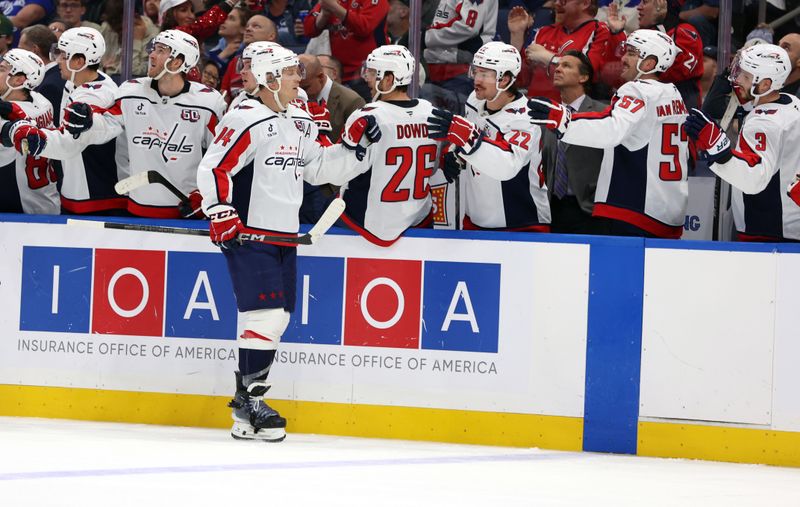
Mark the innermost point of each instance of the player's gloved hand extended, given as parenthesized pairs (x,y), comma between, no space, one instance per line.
(364,127)
(794,190)
(708,136)
(77,118)
(321,116)
(24,137)
(11,111)
(225,225)
(446,126)
(192,208)
(452,166)
(549,113)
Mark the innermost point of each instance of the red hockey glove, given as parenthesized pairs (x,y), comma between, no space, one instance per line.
(445,126)
(225,225)
(364,127)
(192,208)
(321,116)
(24,137)
(794,190)
(708,135)
(552,115)
(11,111)
(77,118)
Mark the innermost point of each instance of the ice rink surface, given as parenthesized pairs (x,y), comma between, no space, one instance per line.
(87,464)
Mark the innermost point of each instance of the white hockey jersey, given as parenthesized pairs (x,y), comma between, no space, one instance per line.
(391,192)
(643,178)
(258,162)
(28,184)
(764,163)
(166,134)
(504,179)
(88,178)
(457,21)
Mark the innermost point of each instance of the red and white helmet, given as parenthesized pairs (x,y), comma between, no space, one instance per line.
(763,61)
(499,57)
(82,41)
(180,44)
(390,58)
(656,44)
(24,62)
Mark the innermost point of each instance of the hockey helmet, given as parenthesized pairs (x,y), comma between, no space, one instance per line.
(390,58)
(499,57)
(25,62)
(656,44)
(763,61)
(180,44)
(252,49)
(81,41)
(267,65)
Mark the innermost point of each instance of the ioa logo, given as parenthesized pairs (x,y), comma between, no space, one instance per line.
(353,302)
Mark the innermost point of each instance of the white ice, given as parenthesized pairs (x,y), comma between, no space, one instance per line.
(86,464)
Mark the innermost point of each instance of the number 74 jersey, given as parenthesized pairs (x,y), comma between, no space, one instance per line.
(643,178)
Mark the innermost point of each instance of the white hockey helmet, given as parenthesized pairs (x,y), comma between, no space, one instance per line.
(267,64)
(252,49)
(656,44)
(499,57)
(82,41)
(180,44)
(763,61)
(24,62)
(390,58)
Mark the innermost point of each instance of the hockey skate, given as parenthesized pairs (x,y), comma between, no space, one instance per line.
(252,418)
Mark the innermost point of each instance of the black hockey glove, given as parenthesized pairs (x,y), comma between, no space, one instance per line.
(77,118)
(452,166)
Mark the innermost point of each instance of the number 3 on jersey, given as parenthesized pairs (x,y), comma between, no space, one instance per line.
(404,157)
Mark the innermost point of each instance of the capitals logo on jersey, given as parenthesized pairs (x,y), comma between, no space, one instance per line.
(154,138)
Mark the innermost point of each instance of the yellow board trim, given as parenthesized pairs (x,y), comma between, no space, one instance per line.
(719,443)
(372,421)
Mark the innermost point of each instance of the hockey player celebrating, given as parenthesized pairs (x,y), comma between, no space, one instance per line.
(642,188)
(27,182)
(505,187)
(767,155)
(391,192)
(251,180)
(167,121)
(88,178)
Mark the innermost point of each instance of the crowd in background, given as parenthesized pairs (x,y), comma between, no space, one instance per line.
(568,47)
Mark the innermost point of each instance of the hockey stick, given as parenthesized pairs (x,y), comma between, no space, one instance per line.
(125,185)
(328,218)
(725,121)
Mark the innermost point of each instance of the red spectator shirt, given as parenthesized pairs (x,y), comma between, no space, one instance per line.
(590,38)
(352,39)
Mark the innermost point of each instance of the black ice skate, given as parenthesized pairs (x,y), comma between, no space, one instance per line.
(252,418)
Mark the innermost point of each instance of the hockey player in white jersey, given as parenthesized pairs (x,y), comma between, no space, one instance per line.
(27,182)
(391,192)
(167,121)
(505,187)
(767,156)
(251,180)
(642,188)
(87,180)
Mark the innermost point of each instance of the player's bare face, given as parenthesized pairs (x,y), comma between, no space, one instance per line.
(248,79)
(5,73)
(629,61)
(484,82)
(290,83)
(742,85)
(158,58)
(370,77)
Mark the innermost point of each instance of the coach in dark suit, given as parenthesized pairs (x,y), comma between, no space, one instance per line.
(340,100)
(571,171)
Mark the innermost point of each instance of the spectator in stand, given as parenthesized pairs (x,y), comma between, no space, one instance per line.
(57,27)
(791,44)
(459,29)
(280,13)
(687,70)
(144,31)
(340,100)
(355,29)
(231,34)
(259,28)
(71,12)
(38,39)
(575,30)
(179,15)
(332,67)
(397,22)
(703,15)
(709,70)
(151,10)
(571,171)
(625,9)
(23,13)
(6,34)
(210,75)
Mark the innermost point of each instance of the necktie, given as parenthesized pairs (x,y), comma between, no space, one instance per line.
(560,179)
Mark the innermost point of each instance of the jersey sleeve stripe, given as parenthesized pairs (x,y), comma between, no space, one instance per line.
(594,115)
(746,153)
(499,142)
(226,165)
(212,123)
